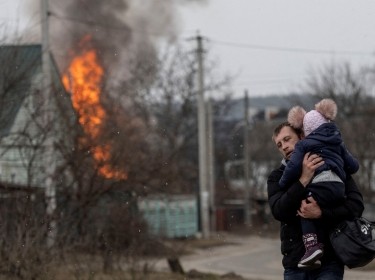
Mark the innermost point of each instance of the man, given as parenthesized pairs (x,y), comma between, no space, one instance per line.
(289,204)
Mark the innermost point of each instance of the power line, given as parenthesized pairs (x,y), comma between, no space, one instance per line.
(265,82)
(287,49)
(224,43)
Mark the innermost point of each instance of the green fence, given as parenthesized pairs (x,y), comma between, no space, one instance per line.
(170,216)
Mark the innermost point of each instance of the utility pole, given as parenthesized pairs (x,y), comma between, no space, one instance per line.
(202,142)
(247,203)
(210,164)
(50,191)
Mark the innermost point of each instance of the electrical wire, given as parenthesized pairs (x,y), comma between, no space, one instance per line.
(269,82)
(287,49)
(225,43)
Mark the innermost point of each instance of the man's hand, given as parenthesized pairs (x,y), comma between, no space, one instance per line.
(310,209)
(310,163)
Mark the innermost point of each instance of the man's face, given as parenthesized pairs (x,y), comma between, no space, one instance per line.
(286,140)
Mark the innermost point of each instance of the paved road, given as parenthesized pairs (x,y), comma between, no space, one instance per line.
(251,257)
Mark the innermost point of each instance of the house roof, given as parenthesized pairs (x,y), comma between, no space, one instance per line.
(19,65)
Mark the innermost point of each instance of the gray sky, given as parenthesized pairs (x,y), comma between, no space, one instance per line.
(270,45)
(235,29)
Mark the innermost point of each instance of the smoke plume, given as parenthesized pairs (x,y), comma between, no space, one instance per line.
(117,27)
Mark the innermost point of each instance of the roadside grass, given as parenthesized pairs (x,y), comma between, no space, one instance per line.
(82,268)
(151,275)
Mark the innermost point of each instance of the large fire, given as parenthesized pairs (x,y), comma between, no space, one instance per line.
(83,80)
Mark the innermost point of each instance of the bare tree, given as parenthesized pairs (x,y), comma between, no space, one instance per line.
(159,101)
(23,146)
(149,132)
(355,112)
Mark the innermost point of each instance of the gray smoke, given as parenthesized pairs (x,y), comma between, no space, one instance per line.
(117,27)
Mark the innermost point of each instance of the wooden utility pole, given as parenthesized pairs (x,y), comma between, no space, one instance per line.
(49,162)
(210,164)
(202,142)
(247,202)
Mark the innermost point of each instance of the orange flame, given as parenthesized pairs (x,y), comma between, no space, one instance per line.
(83,80)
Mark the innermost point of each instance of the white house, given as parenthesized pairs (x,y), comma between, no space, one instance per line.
(28,140)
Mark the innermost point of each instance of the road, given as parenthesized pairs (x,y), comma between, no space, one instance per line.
(252,257)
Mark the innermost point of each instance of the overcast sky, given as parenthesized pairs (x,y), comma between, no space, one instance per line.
(268,42)
(269,45)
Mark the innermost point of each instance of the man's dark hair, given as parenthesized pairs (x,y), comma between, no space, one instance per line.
(278,128)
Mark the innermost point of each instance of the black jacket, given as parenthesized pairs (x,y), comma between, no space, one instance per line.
(284,204)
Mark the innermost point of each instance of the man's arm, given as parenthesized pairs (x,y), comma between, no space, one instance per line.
(310,209)
(284,203)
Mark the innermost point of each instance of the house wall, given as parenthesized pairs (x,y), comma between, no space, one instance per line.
(23,153)
(21,162)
